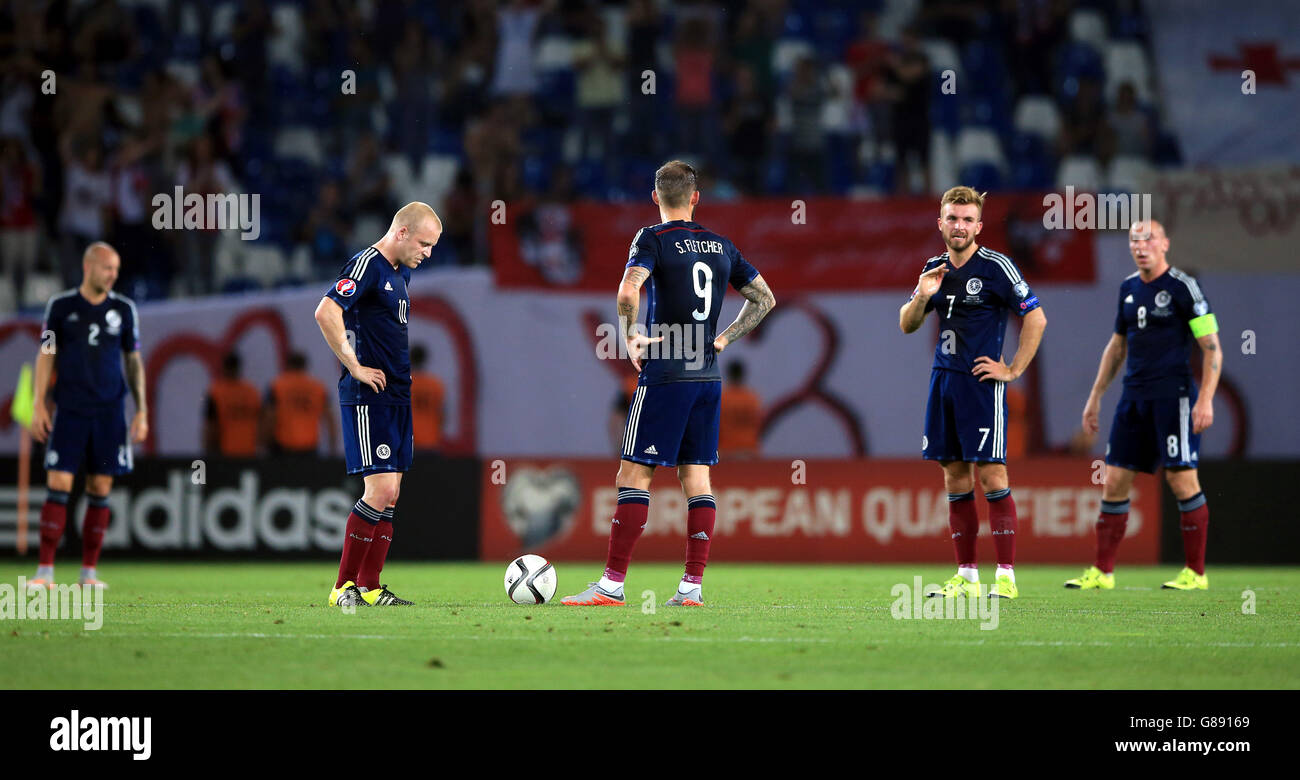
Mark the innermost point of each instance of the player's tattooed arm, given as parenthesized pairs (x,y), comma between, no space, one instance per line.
(135,381)
(629,298)
(759,300)
(629,305)
(1211,368)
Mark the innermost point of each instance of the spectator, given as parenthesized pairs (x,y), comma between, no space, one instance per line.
(87,195)
(428,402)
(233,412)
(752,47)
(325,230)
(741,416)
(296,405)
(748,123)
(909,91)
(1130,130)
(807,159)
(1083,127)
(868,59)
(134,173)
(517,24)
(19,187)
(599,62)
(203,174)
(643,30)
(695,57)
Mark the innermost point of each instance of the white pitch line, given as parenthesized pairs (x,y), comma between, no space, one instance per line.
(713,640)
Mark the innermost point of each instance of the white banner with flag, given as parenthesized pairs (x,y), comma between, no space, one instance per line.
(1230,74)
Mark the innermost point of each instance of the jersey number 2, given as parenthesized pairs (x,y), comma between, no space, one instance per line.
(702,278)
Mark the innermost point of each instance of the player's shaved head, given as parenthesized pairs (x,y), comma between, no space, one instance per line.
(1149,228)
(413,217)
(99,267)
(675,182)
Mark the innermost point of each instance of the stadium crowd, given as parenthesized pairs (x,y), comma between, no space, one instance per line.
(336,112)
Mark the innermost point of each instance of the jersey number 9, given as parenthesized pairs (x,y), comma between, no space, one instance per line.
(702,278)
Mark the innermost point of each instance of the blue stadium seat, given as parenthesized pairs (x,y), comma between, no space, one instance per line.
(240,284)
(880,176)
(982,176)
(984,69)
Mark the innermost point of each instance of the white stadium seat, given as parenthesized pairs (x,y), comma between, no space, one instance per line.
(979,145)
(1081,172)
(786,54)
(1089,26)
(943,162)
(1126,61)
(1038,114)
(1127,174)
(301,143)
(943,56)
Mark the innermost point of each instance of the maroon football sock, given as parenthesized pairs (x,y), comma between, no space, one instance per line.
(702,511)
(629,522)
(357,538)
(964,522)
(373,564)
(1002,522)
(54,516)
(1194,515)
(1111,525)
(92,529)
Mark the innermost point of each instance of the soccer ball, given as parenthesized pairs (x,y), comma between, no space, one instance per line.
(530,579)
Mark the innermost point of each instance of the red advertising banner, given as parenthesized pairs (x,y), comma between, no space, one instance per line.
(844,511)
(798,245)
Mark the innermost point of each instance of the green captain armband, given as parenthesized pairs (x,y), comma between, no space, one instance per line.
(1204,325)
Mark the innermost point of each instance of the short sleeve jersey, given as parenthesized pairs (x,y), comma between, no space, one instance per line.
(1160,319)
(376,307)
(972,304)
(89,342)
(690,268)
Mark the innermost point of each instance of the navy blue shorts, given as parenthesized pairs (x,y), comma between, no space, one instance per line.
(377,438)
(1150,433)
(673,424)
(99,441)
(965,419)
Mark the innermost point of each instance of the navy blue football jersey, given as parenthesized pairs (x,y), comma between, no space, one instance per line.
(89,342)
(1160,319)
(690,268)
(376,308)
(972,304)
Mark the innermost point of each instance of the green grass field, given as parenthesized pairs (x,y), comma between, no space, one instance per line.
(206,625)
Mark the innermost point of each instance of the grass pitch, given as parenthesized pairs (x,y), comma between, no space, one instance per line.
(265,625)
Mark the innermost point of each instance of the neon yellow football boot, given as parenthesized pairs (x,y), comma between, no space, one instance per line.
(1004,588)
(1188,580)
(1092,578)
(955,587)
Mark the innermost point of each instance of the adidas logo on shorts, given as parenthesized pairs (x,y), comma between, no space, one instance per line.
(651,450)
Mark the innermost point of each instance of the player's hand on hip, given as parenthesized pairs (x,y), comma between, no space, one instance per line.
(371,377)
(1202,415)
(40,422)
(988,368)
(139,427)
(1091,415)
(721,342)
(929,282)
(636,345)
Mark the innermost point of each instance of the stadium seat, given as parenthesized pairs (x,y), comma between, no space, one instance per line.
(1127,61)
(1089,26)
(223,21)
(786,54)
(943,56)
(401,178)
(1075,61)
(982,176)
(437,172)
(299,143)
(285,47)
(985,69)
(1081,172)
(979,145)
(263,262)
(239,286)
(554,52)
(1039,115)
(1127,174)
(943,162)
(837,111)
